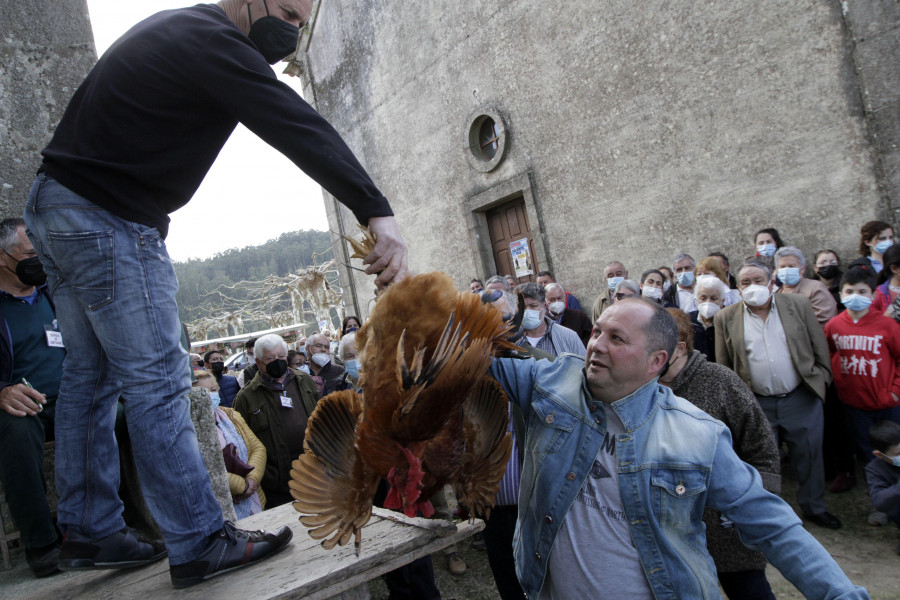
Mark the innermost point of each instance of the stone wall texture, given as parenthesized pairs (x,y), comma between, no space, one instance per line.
(648,128)
(46,49)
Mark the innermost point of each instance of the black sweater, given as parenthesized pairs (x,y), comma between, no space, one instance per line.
(147,123)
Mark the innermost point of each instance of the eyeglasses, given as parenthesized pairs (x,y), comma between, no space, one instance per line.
(827,263)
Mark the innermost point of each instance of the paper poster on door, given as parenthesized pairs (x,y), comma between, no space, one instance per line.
(521,257)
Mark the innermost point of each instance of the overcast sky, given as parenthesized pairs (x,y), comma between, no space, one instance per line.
(252,193)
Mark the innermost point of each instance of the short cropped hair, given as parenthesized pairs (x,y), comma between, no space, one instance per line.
(532,290)
(755,262)
(683,256)
(858,275)
(660,330)
(9,232)
(546,274)
(790,251)
(269,342)
(497,279)
(553,286)
(884,435)
(209,353)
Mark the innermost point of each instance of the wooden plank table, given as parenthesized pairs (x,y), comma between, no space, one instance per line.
(303,570)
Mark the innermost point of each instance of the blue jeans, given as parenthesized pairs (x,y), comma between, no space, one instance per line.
(114,288)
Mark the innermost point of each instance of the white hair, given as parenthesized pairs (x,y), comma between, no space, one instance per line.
(553,286)
(710,282)
(347,340)
(268,342)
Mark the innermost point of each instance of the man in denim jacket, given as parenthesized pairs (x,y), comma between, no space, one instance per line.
(611,501)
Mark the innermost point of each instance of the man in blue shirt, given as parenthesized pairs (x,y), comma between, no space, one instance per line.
(618,471)
(30,351)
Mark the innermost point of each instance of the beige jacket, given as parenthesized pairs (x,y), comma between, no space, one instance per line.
(805,339)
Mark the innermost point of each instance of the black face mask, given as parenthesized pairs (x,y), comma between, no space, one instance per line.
(217,367)
(829,272)
(275,39)
(276,368)
(29,270)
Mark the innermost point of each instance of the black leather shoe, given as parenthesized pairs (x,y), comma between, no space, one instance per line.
(43,561)
(228,549)
(824,519)
(122,550)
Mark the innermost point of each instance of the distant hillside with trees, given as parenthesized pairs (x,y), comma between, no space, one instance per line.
(199,279)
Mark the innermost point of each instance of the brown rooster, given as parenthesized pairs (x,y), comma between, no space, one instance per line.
(429,414)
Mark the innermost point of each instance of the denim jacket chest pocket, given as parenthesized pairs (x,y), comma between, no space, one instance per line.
(679,495)
(548,428)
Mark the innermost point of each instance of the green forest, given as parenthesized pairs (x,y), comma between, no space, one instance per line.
(199,280)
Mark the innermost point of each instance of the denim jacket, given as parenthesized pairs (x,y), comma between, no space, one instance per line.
(673,460)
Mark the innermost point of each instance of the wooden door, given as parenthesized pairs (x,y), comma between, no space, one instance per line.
(507,224)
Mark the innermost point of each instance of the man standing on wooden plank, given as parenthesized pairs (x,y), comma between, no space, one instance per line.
(134,144)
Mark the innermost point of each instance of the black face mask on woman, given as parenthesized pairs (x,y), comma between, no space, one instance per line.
(828,272)
(274,38)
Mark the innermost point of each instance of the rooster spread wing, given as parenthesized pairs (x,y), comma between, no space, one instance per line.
(488,446)
(330,483)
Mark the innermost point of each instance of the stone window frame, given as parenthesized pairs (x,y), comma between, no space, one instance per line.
(471,143)
(476,206)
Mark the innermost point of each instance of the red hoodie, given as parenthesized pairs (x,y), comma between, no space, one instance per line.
(865,359)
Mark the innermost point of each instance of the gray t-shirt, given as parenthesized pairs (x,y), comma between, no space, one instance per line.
(593,555)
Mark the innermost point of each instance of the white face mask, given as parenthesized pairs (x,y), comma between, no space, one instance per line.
(666,285)
(557,307)
(321,358)
(708,309)
(649,291)
(755,295)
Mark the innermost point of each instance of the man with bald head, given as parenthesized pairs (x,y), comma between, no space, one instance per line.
(136,140)
(618,471)
(613,274)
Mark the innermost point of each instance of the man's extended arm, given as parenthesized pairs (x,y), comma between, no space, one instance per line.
(768,524)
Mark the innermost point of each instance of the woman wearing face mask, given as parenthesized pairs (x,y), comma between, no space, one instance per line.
(236,440)
(767,241)
(652,283)
(791,266)
(349,325)
(827,266)
(888,281)
(710,292)
(875,237)
(347,353)
(711,266)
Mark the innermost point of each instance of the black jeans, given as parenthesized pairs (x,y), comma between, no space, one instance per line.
(498,543)
(22,474)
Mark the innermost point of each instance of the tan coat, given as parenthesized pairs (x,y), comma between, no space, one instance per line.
(602,302)
(805,339)
(821,299)
(256,457)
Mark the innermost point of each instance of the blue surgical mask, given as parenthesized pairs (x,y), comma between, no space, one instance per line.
(765,249)
(895,460)
(856,303)
(685,278)
(789,275)
(612,282)
(214,398)
(882,246)
(304,368)
(352,367)
(531,319)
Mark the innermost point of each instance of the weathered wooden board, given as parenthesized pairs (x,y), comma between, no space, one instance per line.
(303,570)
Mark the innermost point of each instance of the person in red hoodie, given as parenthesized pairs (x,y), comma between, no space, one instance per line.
(865,360)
